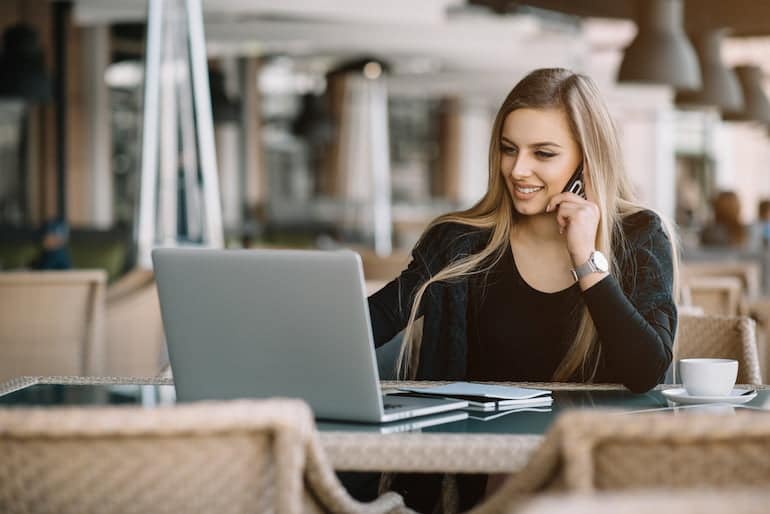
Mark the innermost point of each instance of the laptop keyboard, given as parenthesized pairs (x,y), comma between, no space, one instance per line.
(389,406)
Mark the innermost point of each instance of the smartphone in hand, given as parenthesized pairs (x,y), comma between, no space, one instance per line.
(576,184)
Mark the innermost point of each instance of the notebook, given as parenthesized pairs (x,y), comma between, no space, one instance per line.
(486,397)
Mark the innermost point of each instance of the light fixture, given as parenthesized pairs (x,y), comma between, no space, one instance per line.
(720,84)
(660,53)
(370,67)
(127,74)
(224,109)
(22,71)
(756,105)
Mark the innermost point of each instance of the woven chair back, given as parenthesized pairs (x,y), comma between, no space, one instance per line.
(748,272)
(594,451)
(135,343)
(726,337)
(658,501)
(52,323)
(242,456)
(715,295)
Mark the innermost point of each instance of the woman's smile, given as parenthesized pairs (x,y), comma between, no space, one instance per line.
(526,191)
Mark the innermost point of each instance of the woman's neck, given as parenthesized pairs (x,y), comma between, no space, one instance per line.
(538,228)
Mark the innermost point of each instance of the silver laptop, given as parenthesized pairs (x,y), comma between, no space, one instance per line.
(263,323)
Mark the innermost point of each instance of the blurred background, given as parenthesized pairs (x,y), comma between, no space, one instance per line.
(128,124)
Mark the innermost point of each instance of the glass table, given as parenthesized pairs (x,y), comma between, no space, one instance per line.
(501,444)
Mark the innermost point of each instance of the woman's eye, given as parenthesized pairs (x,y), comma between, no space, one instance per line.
(510,150)
(544,155)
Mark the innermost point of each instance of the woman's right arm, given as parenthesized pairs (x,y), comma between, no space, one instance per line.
(389,308)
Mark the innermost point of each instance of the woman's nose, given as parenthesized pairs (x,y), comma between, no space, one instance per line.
(522,168)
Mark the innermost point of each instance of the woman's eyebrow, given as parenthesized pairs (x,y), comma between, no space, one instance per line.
(542,143)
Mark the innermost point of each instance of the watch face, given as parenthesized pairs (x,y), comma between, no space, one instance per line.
(600,261)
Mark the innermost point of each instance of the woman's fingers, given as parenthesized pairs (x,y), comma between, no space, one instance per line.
(557,200)
(580,212)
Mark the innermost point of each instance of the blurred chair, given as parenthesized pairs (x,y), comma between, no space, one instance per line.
(135,341)
(725,337)
(588,451)
(759,310)
(659,501)
(690,310)
(715,295)
(372,286)
(748,272)
(382,269)
(225,457)
(52,323)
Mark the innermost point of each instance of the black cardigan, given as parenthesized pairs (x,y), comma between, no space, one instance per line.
(634,313)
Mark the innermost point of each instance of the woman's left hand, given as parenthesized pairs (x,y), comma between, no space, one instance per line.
(578,220)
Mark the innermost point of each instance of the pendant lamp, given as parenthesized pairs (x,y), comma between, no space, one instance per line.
(720,88)
(22,71)
(756,105)
(661,53)
(224,109)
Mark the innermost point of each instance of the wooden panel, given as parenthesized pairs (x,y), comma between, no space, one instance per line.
(446,181)
(78,177)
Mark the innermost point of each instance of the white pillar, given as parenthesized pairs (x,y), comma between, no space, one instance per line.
(644,117)
(96,58)
(476,120)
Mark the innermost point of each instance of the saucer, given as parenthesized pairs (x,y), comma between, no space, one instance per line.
(679,395)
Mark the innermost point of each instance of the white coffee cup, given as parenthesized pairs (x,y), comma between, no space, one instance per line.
(708,377)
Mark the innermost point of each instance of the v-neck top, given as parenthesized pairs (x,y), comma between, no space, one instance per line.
(516,332)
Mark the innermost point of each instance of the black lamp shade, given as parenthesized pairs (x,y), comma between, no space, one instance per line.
(661,52)
(720,84)
(223,108)
(756,105)
(22,71)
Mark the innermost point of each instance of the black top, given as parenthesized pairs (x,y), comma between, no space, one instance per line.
(515,330)
(634,314)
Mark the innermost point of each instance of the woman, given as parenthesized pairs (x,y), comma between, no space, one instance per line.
(495,286)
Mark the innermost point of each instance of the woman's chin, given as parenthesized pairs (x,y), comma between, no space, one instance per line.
(528,208)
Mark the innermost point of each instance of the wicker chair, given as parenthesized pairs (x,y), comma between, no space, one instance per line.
(592,451)
(759,309)
(748,272)
(715,295)
(720,337)
(660,501)
(52,323)
(224,457)
(382,269)
(135,342)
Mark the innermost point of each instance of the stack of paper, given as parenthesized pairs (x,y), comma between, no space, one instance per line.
(487,397)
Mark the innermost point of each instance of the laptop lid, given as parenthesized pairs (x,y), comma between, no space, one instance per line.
(263,323)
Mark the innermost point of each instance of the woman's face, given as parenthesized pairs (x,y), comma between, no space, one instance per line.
(538,155)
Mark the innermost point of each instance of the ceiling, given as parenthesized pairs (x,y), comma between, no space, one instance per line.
(744,17)
(444,46)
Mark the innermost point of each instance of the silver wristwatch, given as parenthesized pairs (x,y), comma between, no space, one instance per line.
(596,263)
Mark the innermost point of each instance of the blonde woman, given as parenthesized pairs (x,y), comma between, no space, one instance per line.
(533,283)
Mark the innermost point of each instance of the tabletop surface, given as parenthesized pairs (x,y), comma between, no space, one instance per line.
(526,422)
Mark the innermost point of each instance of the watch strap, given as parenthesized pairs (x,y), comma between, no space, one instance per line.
(591,265)
(584,269)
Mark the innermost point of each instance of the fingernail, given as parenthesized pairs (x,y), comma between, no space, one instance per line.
(548,208)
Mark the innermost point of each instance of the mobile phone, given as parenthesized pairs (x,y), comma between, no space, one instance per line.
(575,184)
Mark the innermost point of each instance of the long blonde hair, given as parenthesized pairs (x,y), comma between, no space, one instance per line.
(594,132)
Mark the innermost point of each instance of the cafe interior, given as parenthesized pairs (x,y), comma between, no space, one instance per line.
(255,127)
